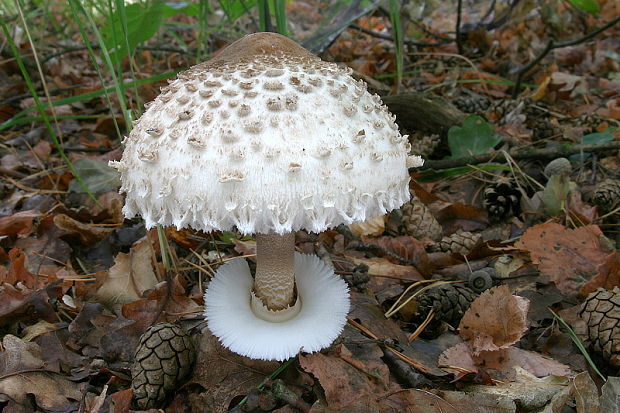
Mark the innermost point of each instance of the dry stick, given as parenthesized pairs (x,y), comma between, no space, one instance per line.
(459,35)
(543,153)
(551,45)
(408,42)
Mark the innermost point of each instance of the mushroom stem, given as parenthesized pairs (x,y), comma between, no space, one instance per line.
(274,282)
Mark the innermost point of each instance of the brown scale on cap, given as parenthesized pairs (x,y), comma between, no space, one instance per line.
(252,48)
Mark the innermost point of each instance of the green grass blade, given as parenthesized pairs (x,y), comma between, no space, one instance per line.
(17,118)
(93,57)
(397,33)
(578,343)
(280,12)
(118,87)
(120,5)
(42,112)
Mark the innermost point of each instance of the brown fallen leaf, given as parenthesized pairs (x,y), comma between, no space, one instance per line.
(130,276)
(225,375)
(608,275)
(533,393)
(167,302)
(501,364)
(25,305)
(404,246)
(19,381)
(569,257)
(374,226)
(19,223)
(346,386)
(496,319)
(18,273)
(87,234)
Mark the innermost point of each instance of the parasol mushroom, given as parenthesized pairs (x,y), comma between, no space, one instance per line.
(268,139)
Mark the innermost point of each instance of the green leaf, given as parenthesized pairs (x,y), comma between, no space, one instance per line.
(143,21)
(97,176)
(589,6)
(591,139)
(598,137)
(236,8)
(184,7)
(476,136)
(555,193)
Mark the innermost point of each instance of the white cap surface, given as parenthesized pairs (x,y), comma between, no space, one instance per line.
(265,137)
(324,308)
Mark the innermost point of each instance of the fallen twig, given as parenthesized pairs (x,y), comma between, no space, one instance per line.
(523,153)
(551,45)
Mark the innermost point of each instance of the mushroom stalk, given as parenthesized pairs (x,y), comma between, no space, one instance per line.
(274,282)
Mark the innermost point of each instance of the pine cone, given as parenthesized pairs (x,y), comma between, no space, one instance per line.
(448,301)
(423,145)
(501,200)
(601,311)
(472,104)
(461,242)
(419,222)
(357,278)
(589,121)
(543,128)
(558,166)
(607,194)
(164,357)
(500,108)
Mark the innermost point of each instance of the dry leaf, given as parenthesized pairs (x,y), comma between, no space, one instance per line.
(345,385)
(567,256)
(88,234)
(531,392)
(18,223)
(130,276)
(374,226)
(18,380)
(457,356)
(226,375)
(500,364)
(608,275)
(496,319)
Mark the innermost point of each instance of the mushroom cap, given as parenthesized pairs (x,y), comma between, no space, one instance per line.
(265,137)
(324,307)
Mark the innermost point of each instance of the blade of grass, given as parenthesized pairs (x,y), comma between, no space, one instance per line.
(43,114)
(398,39)
(578,343)
(280,12)
(93,57)
(118,87)
(264,19)
(120,5)
(16,119)
(272,376)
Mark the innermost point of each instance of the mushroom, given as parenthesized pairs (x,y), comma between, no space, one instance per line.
(268,139)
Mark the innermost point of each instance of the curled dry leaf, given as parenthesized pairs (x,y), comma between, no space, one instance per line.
(130,276)
(566,256)
(608,275)
(496,319)
(87,234)
(374,226)
(18,381)
(531,391)
(18,223)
